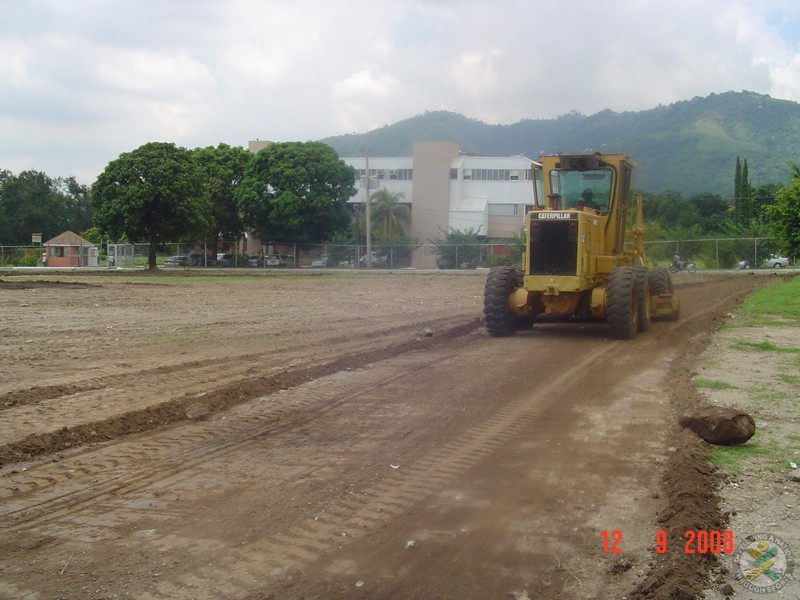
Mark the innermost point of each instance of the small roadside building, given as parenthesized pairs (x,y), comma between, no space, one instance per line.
(70,250)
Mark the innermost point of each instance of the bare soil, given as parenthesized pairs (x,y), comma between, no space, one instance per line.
(343,436)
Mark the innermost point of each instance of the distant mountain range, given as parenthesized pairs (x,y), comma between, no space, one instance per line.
(689,146)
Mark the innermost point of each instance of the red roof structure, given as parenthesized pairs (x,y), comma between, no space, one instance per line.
(68,249)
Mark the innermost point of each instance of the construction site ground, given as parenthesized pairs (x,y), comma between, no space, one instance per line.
(350,435)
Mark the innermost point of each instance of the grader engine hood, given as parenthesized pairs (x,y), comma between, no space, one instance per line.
(553,247)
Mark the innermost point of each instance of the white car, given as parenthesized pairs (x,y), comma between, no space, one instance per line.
(177,261)
(322,261)
(775,262)
(279,260)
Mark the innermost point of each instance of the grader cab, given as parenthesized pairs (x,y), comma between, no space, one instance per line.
(584,255)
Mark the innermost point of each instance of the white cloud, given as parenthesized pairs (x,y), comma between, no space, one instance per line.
(785,78)
(14,60)
(474,71)
(144,72)
(368,82)
(83,80)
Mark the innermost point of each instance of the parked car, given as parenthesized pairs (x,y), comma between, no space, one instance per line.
(280,260)
(230,260)
(377,260)
(198,259)
(177,261)
(322,261)
(775,262)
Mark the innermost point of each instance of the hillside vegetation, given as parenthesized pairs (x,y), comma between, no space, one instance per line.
(690,146)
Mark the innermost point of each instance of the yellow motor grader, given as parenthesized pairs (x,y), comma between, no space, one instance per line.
(584,255)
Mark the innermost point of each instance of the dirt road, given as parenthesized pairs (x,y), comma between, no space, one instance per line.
(336,437)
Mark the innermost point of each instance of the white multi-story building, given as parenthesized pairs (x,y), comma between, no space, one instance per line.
(450,190)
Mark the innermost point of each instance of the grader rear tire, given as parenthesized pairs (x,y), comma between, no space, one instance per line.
(500,284)
(661,283)
(622,303)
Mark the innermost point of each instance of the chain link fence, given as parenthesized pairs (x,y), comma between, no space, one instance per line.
(21,256)
(716,253)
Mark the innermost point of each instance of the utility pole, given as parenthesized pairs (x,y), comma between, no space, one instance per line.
(369,216)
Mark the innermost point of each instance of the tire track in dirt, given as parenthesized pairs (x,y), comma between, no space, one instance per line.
(218,367)
(349,520)
(186,448)
(78,419)
(234,571)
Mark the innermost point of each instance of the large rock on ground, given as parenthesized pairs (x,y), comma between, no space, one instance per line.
(720,426)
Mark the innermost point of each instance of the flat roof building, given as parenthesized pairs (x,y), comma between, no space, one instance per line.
(450,190)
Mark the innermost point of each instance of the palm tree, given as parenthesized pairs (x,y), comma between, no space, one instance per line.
(389,213)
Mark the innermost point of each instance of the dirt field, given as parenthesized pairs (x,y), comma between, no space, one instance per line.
(342,436)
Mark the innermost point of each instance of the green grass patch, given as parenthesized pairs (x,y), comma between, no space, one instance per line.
(712,384)
(763,347)
(730,458)
(757,456)
(789,379)
(768,394)
(781,300)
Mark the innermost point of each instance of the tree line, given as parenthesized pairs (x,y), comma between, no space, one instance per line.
(297,191)
(767,210)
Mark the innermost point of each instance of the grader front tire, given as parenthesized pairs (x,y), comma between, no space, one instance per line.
(500,284)
(643,296)
(622,306)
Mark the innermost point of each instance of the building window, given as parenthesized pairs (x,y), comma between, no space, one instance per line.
(492,174)
(453,173)
(502,210)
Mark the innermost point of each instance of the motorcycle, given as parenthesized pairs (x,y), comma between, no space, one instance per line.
(684,265)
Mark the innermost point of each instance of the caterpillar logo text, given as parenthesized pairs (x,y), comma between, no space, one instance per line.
(556,215)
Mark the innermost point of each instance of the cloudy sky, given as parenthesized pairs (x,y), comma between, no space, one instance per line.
(82,81)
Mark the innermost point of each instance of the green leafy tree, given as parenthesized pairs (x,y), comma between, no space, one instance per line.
(224,167)
(515,248)
(671,210)
(764,196)
(388,213)
(785,216)
(342,246)
(296,191)
(713,210)
(78,204)
(31,202)
(457,247)
(154,194)
(743,193)
(746,246)
(396,247)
